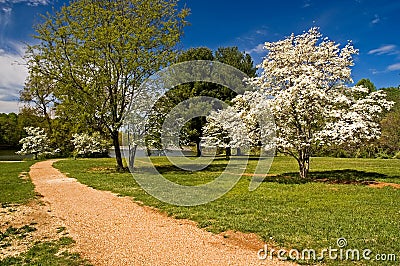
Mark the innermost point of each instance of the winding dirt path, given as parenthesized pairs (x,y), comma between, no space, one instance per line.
(111,230)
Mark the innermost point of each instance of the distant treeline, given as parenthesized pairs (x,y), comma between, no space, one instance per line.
(12,127)
(59,130)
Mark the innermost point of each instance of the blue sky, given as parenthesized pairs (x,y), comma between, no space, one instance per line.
(373,26)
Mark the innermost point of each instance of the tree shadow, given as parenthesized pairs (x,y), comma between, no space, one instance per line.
(172,169)
(219,165)
(346,176)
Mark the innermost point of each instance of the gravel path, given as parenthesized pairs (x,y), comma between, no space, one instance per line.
(111,230)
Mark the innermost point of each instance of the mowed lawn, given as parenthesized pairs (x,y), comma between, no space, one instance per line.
(14,187)
(286,212)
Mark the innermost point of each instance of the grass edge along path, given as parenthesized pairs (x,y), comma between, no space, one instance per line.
(15,185)
(311,215)
(17,189)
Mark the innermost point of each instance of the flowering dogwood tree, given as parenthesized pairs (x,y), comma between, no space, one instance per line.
(224,129)
(36,143)
(85,144)
(304,81)
(246,124)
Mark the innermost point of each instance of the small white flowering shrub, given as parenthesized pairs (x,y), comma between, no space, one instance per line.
(238,126)
(36,143)
(86,145)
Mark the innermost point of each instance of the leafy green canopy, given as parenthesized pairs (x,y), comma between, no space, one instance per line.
(97,53)
(192,131)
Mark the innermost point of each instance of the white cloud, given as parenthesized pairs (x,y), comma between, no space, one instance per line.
(374,71)
(9,107)
(261,32)
(394,67)
(5,17)
(259,49)
(252,37)
(376,19)
(306,3)
(12,77)
(389,49)
(28,2)
(7,10)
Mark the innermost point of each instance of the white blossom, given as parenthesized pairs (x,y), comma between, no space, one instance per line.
(248,123)
(85,144)
(36,143)
(303,84)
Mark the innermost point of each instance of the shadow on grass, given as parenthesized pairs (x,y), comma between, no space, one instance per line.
(172,169)
(162,168)
(346,176)
(220,166)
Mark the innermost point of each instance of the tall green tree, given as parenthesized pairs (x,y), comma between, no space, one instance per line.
(390,139)
(366,83)
(233,57)
(192,131)
(9,133)
(98,52)
(38,95)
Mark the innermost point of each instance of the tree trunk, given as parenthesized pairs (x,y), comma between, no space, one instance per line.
(148,150)
(228,152)
(48,119)
(304,165)
(198,150)
(132,154)
(118,155)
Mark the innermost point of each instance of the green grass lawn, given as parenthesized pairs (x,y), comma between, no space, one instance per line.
(17,189)
(44,253)
(13,188)
(284,211)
